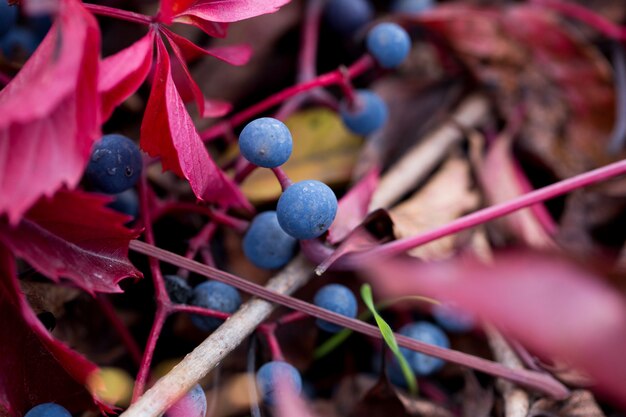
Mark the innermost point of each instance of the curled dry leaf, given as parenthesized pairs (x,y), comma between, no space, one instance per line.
(580,404)
(573,315)
(167,131)
(74,236)
(46,143)
(34,367)
(447,196)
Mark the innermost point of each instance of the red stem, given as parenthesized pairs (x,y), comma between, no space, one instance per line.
(330,78)
(244,172)
(282,178)
(493,212)
(586,16)
(144,370)
(215,215)
(162,299)
(534,380)
(183,308)
(307,60)
(119,14)
(292,317)
(269,332)
(127,338)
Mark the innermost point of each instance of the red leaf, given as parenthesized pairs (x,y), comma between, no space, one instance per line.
(353,207)
(230,10)
(215,29)
(168,132)
(123,73)
(50,113)
(234,55)
(74,236)
(550,305)
(34,367)
(185,82)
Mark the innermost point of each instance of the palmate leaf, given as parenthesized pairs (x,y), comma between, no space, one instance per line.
(387,333)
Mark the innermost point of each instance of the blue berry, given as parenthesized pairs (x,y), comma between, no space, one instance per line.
(306,209)
(389,43)
(8,17)
(347,16)
(192,404)
(115,164)
(452,319)
(338,299)
(428,333)
(268,375)
(48,410)
(126,202)
(266,244)
(215,296)
(412,6)
(368,115)
(266,142)
(177,289)
(18,43)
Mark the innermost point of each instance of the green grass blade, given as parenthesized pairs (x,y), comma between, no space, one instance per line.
(387,333)
(336,340)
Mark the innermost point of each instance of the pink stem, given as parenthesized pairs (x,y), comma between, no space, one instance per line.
(534,380)
(307,60)
(292,317)
(215,215)
(197,242)
(244,172)
(282,178)
(586,16)
(182,308)
(119,14)
(269,332)
(493,212)
(121,329)
(331,78)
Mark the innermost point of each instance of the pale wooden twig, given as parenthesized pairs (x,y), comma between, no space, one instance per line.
(423,157)
(222,341)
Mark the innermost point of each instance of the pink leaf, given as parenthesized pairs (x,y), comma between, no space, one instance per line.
(50,113)
(353,207)
(234,55)
(34,367)
(186,83)
(232,10)
(123,73)
(501,180)
(74,236)
(554,307)
(168,132)
(214,29)
(289,402)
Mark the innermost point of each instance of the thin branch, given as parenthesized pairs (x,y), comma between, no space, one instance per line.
(206,357)
(336,77)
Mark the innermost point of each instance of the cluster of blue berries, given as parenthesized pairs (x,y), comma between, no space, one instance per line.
(20,41)
(114,168)
(305,209)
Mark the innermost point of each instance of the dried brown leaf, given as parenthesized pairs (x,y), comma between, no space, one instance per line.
(445,197)
(580,404)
